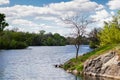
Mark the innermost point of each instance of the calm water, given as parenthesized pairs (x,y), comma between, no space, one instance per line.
(36,63)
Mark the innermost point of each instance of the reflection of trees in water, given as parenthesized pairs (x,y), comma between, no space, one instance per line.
(92,78)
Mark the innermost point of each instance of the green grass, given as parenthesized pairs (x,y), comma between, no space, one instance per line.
(74,64)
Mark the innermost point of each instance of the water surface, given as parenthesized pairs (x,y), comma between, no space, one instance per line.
(36,63)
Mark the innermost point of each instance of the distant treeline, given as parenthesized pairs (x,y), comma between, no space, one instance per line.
(10,39)
(17,40)
(71,40)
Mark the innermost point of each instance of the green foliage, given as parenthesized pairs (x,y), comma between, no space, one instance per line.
(83,40)
(110,34)
(4,43)
(93,44)
(7,43)
(17,45)
(48,39)
(19,40)
(94,39)
(79,67)
(74,64)
(3,23)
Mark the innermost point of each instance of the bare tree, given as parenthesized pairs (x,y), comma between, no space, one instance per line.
(78,23)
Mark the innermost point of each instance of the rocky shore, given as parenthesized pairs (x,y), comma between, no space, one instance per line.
(106,65)
(103,62)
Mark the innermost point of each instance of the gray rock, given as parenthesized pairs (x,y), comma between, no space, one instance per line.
(106,65)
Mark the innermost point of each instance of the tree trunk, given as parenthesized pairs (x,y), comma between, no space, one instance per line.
(77,51)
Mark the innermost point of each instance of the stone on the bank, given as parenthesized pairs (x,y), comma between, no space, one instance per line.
(75,72)
(107,65)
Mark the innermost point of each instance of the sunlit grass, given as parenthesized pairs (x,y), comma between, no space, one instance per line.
(74,64)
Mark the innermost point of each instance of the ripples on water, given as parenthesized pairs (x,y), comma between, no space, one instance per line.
(36,63)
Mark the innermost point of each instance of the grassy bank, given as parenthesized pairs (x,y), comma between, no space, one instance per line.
(74,64)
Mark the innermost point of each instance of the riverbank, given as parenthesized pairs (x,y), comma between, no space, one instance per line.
(79,66)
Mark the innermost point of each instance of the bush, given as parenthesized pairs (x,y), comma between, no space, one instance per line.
(21,45)
(4,43)
(11,44)
(110,34)
(93,44)
(17,45)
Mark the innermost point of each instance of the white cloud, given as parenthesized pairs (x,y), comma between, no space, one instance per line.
(100,7)
(27,26)
(74,5)
(22,22)
(2,2)
(46,18)
(114,4)
(30,16)
(53,9)
(101,16)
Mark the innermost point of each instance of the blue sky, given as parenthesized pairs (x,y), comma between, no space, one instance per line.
(35,2)
(36,15)
(45,2)
(101,1)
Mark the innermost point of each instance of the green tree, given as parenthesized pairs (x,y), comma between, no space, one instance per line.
(3,23)
(94,39)
(110,34)
(41,32)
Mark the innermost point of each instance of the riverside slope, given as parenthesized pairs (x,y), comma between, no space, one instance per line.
(106,65)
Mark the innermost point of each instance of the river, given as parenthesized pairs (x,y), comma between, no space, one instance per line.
(37,63)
